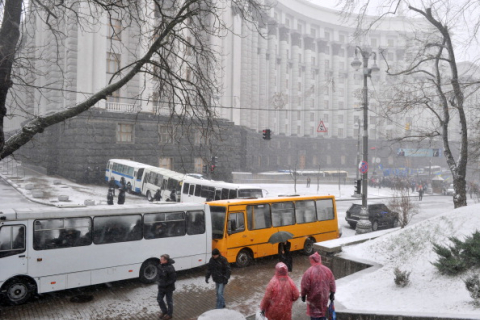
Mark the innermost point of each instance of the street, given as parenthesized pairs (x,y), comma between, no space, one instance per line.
(131,299)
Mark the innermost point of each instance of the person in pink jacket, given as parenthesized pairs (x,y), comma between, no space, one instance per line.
(318,285)
(279,296)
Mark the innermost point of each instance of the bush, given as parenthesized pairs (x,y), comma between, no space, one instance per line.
(401,277)
(460,257)
(473,286)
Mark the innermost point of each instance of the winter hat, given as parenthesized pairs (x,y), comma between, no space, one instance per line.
(215,252)
(281,269)
(316,257)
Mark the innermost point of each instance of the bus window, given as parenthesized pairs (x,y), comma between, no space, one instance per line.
(232,194)
(325,210)
(218,221)
(236,222)
(12,240)
(218,194)
(195,222)
(208,193)
(283,214)
(224,193)
(191,190)
(259,216)
(198,190)
(61,233)
(305,211)
(166,224)
(114,228)
(186,185)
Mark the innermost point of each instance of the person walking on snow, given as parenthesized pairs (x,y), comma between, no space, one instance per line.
(318,285)
(166,285)
(219,268)
(279,296)
(284,254)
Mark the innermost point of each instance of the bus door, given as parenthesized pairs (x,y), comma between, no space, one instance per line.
(259,223)
(13,256)
(236,233)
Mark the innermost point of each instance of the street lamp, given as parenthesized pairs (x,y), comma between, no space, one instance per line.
(364,225)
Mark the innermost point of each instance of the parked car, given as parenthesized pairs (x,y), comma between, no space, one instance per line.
(448,191)
(379,215)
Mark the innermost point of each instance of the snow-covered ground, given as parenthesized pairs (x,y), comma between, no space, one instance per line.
(409,249)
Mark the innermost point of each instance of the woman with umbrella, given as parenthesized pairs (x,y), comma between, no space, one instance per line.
(284,254)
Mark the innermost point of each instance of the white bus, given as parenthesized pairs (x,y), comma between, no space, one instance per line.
(200,190)
(45,250)
(164,180)
(132,171)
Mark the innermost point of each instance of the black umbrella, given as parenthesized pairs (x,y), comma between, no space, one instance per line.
(280,236)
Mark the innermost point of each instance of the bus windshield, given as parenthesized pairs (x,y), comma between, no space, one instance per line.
(218,221)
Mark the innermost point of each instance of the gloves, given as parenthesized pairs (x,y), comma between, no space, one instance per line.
(262,312)
(206,280)
(303,298)
(332,296)
(226,281)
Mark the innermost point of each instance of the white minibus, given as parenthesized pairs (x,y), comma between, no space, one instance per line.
(132,171)
(45,250)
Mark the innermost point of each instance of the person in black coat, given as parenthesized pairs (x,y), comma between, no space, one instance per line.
(284,254)
(166,285)
(219,269)
(121,191)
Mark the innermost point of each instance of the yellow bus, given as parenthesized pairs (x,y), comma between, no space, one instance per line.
(241,228)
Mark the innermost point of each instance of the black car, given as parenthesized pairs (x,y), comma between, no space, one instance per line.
(379,215)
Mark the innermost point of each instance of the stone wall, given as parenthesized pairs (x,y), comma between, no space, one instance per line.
(79,148)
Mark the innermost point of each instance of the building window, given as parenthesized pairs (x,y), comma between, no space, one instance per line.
(114,97)
(340,118)
(326,103)
(342,160)
(124,132)
(113,62)
(197,138)
(340,132)
(312,116)
(114,29)
(165,163)
(327,36)
(313,61)
(325,117)
(166,134)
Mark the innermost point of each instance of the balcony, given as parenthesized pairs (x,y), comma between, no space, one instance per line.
(122,107)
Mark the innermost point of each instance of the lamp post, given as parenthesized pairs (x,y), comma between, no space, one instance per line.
(364,225)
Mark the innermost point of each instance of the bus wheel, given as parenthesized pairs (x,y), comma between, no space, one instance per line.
(148,271)
(18,291)
(308,247)
(149,196)
(243,258)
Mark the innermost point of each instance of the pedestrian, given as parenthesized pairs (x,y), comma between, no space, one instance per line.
(166,285)
(110,196)
(308,182)
(420,193)
(121,191)
(219,268)
(112,185)
(279,296)
(173,195)
(284,254)
(318,285)
(158,195)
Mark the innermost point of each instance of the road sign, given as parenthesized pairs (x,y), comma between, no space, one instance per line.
(321,127)
(363,167)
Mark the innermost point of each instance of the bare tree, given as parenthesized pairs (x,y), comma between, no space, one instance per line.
(403,203)
(429,85)
(175,51)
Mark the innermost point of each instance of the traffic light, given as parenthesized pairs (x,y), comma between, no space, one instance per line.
(358,186)
(266,134)
(212,168)
(204,169)
(214,160)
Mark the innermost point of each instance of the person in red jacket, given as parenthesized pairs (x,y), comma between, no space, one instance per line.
(279,296)
(318,286)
